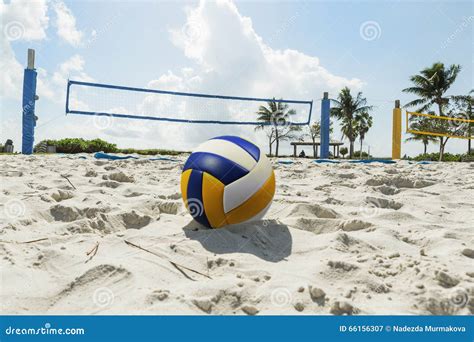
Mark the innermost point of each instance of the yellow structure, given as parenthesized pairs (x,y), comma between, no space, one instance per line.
(397,128)
(397,131)
(455,121)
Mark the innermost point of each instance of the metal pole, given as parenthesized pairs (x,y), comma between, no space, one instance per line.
(325,109)
(397,131)
(28,106)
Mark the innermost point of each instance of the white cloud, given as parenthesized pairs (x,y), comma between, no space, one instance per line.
(53,87)
(230,58)
(28,21)
(226,47)
(71,68)
(49,86)
(21,20)
(11,72)
(66,24)
(43,89)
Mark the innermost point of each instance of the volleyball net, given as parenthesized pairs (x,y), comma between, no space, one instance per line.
(456,126)
(85,98)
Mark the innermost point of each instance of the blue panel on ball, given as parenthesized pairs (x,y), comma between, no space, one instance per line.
(251,149)
(221,168)
(194,198)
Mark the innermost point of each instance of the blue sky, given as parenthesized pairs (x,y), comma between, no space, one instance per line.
(295,50)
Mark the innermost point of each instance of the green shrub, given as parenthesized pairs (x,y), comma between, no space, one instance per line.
(79,145)
(343,151)
(467,157)
(98,145)
(357,154)
(448,157)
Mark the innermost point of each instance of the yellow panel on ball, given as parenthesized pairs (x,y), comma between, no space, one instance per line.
(212,194)
(184,186)
(254,204)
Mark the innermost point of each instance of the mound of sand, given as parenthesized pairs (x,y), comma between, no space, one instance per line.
(83,236)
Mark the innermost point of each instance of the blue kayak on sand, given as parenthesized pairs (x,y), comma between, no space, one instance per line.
(102,155)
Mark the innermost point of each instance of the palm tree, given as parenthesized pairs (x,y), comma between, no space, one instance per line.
(424,125)
(431,86)
(275,117)
(364,123)
(466,104)
(346,109)
(314,132)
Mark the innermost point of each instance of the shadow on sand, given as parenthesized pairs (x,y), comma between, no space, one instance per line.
(268,240)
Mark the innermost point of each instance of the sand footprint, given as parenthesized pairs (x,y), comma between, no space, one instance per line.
(312,210)
(62,195)
(134,220)
(120,177)
(399,182)
(383,203)
(387,190)
(100,288)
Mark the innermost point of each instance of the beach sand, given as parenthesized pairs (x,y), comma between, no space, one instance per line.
(86,236)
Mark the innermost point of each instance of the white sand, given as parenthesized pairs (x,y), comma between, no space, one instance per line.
(355,239)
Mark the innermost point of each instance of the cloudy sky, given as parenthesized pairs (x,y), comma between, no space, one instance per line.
(251,48)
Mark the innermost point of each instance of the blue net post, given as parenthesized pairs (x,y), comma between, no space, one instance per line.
(28,110)
(325,122)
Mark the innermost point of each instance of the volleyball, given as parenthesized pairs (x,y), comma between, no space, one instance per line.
(227,180)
